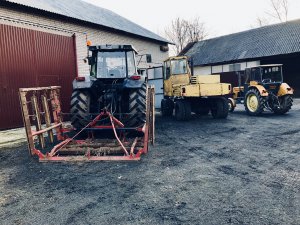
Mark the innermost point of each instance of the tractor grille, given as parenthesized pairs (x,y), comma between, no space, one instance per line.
(194,80)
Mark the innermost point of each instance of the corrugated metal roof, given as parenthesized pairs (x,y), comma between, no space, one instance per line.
(84,11)
(278,39)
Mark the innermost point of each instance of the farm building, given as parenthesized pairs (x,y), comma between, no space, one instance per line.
(227,55)
(43,43)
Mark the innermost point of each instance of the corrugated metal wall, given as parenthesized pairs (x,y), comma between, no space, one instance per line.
(31,58)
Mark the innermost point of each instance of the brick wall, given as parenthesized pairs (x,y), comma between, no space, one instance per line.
(97,36)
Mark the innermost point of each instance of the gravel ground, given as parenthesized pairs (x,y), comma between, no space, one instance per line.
(243,170)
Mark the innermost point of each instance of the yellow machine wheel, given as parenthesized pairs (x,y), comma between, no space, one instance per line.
(254,102)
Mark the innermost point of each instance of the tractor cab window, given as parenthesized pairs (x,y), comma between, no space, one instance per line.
(113,64)
(256,74)
(271,74)
(178,66)
(131,68)
(167,69)
(247,75)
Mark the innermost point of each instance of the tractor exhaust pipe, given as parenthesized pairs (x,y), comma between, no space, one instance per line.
(192,66)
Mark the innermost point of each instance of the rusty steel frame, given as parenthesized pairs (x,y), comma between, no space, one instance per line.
(48,99)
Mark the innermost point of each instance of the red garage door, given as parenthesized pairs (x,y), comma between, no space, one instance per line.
(31,58)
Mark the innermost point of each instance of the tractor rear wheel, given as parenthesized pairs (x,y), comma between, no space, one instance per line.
(167,107)
(254,102)
(182,110)
(80,109)
(220,108)
(286,103)
(137,107)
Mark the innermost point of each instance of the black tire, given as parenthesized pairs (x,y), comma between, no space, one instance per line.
(220,108)
(167,107)
(80,109)
(254,102)
(137,107)
(286,103)
(182,110)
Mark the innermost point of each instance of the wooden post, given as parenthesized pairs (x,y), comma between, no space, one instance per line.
(47,117)
(27,124)
(152,114)
(38,122)
(56,111)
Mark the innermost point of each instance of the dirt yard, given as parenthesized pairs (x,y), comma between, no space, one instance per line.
(243,170)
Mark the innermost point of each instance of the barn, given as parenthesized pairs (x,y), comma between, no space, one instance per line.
(43,43)
(228,55)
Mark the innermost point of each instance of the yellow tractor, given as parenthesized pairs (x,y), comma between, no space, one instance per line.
(187,93)
(263,89)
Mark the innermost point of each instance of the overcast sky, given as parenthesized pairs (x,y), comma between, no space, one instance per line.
(220,16)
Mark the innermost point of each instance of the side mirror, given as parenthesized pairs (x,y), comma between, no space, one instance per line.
(148,58)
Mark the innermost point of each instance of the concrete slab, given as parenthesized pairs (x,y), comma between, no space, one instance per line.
(12,138)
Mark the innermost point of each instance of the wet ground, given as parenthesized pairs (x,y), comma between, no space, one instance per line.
(243,170)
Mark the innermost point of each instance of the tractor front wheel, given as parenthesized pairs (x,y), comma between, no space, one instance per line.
(286,103)
(254,102)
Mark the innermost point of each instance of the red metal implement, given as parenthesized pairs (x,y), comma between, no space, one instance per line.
(124,143)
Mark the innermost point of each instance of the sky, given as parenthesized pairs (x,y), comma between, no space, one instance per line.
(221,17)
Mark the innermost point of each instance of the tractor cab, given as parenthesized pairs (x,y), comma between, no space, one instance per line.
(176,72)
(269,76)
(112,61)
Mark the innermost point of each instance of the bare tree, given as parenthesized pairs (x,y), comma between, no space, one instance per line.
(262,21)
(196,30)
(278,12)
(182,31)
(177,33)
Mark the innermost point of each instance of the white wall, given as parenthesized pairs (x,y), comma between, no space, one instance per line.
(253,63)
(204,70)
(217,69)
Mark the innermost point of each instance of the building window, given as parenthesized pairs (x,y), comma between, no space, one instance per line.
(234,67)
